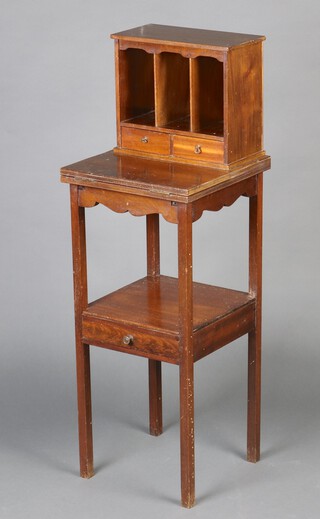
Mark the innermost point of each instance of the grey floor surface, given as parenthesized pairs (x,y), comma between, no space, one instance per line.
(138,475)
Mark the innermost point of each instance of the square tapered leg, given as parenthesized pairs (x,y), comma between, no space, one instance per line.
(154,366)
(82,350)
(186,363)
(254,344)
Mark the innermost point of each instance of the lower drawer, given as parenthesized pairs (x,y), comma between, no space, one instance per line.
(146,141)
(100,332)
(199,149)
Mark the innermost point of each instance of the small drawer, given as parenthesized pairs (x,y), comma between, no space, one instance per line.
(199,149)
(149,142)
(128,339)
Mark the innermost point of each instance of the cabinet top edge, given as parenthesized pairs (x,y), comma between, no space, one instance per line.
(154,33)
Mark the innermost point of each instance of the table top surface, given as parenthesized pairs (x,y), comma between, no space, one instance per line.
(155,178)
(154,33)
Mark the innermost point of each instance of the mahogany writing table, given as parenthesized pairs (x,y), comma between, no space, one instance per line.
(158,317)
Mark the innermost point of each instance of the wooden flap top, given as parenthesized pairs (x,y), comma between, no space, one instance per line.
(202,38)
(158,179)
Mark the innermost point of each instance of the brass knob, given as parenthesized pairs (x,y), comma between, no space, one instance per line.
(197,149)
(144,139)
(127,339)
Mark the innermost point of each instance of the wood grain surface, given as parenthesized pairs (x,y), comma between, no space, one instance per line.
(155,178)
(188,36)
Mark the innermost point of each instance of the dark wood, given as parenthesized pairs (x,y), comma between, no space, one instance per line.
(183,82)
(198,149)
(244,102)
(110,334)
(194,81)
(146,141)
(225,197)
(123,203)
(157,311)
(153,245)
(172,88)
(148,310)
(254,354)
(186,363)
(188,36)
(155,397)
(164,346)
(141,121)
(157,47)
(251,160)
(82,349)
(206,77)
(225,330)
(136,83)
(189,140)
(153,178)
(171,320)
(154,366)
(118,88)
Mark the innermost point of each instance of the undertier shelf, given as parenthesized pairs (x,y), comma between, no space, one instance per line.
(146,313)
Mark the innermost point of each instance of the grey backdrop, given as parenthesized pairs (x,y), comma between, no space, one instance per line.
(57,107)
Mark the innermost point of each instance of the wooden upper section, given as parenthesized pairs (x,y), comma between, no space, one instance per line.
(189,96)
(202,38)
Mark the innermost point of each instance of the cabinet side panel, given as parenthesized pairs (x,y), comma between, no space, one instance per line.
(117,78)
(244,91)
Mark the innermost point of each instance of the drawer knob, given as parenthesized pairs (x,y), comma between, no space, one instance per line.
(127,339)
(144,139)
(197,149)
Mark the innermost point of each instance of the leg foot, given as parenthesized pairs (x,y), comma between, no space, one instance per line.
(84,411)
(155,398)
(187,437)
(254,397)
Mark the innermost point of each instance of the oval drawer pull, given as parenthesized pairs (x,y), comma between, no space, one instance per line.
(144,139)
(197,149)
(127,339)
